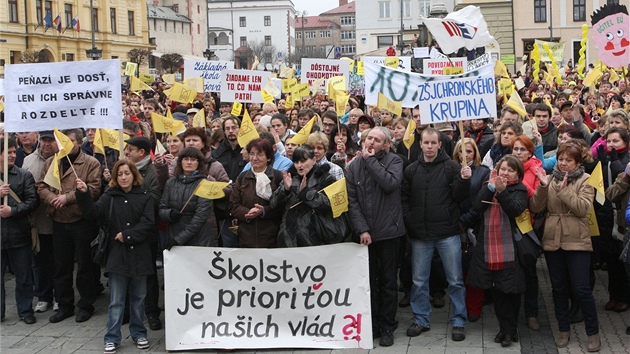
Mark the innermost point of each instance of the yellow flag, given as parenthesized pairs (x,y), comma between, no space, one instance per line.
(614,77)
(53,177)
(210,190)
(549,103)
(247,132)
(409,134)
(163,124)
(592,222)
(110,138)
(592,77)
(549,79)
(196,82)
(516,104)
(301,136)
(360,70)
(183,93)
(99,148)
(271,88)
(169,78)
(199,120)
(64,143)
(505,86)
(597,181)
(341,100)
(315,85)
(288,102)
(391,62)
(256,62)
(267,97)
(146,78)
(301,90)
(237,108)
(452,70)
(337,82)
(500,69)
(524,222)
(534,96)
(332,93)
(286,72)
(288,84)
(130,68)
(338,196)
(159,147)
(392,106)
(138,85)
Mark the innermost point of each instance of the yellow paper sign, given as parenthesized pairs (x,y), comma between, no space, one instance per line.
(288,103)
(452,70)
(505,86)
(146,78)
(286,72)
(392,62)
(196,82)
(360,68)
(338,83)
(237,108)
(210,189)
(301,90)
(266,96)
(288,85)
(337,194)
(524,222)
(130,68)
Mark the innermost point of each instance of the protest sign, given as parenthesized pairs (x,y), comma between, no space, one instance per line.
(210,71)
(267,298)
(313,69)
(436,66)
(356,84)
(63,95)
(146,78)
(421,52)
(478,62)
(404,63)
(243,85)
(440,97)
(556,48)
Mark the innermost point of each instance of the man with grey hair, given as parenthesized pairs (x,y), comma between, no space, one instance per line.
(374,181)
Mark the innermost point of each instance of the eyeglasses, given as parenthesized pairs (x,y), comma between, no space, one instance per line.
(190,159)
(519,149)
(259,155)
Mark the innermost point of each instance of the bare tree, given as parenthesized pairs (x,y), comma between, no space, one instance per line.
(265,53)
(172,61)
(139,56)
(29,57)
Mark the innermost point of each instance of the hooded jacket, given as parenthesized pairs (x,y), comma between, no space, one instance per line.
(16,231)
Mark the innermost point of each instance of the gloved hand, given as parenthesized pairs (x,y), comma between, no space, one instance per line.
(175,215)
(613,156)
(170,242)
(601,154)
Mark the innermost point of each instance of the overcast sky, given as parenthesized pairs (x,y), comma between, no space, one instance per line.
(315,7)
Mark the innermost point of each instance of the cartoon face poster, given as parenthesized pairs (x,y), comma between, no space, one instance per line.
(611,34)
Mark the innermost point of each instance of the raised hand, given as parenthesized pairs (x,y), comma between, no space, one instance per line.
(493,177)
(303,184)
(564,180)
(542,176)
(287,179)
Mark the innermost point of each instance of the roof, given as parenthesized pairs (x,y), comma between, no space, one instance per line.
(343,9)
(313,22)
(166,13)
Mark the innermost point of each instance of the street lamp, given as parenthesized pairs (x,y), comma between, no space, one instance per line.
(208,54)
(304,13)
(93,53)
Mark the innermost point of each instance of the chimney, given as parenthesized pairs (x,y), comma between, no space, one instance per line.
(343,2)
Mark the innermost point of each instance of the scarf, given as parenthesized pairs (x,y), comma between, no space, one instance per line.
(499,246)
(140,164)
(559,175)
(497,151)
(65,164)
(263,185)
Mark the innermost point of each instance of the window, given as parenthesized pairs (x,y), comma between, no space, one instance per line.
(165,28)
(324,34)
(243,41)
(425,7)
(347,20)
(322,49)
(267,20)
(95,19)
(383,9)
(130,20)
(298,35)
(309,35)
(311,48)
(540,10)
(406,4)
(347,35)
(112,20)
(40,12)
(348,49)
(385,41)
(611,2)
(67,9)
(242,21)
(579,10)
(13,11)
(198,29)
(268,40)
(69,56)
(47,7)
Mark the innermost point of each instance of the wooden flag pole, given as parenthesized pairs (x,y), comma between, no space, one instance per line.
(121,144)
(188,201)
(72,167)
(462,139)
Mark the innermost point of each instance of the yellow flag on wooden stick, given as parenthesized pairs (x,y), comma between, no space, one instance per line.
(199,120)
(301,90)
(138,85)
(210,189)
(337,193)
(332,93)
(271,88)
(267,97)
(99,148)
(592,222)
(592,76)
(288,103)
(247,132)
(163,124)
(169,78)
(64,143)
(338,83)
(302,135)
(392,106)
(183,93)
(110,138)
(288,84)
(516,104)
(196,82)
(315,85)
(341,100)
(597,181)
(286,72)
(237,107)
(53,177)
(410,134)
(500,69)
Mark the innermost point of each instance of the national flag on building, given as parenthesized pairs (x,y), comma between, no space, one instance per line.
(47,21)
(57,23)
(463,28)
(76,24)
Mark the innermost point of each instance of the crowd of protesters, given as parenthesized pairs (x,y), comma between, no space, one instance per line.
(439,217)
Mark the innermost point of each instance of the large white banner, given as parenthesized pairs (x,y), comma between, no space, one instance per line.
(313,69)
(306,297)
(243,85)
(209,70)
(441,97)
(436,66)
(478,62)
(63,95)
(404,63)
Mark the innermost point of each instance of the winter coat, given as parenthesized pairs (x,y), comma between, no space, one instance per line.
(415,150)
(431,193)
(16,230)
(261,232)
(133,215)
(469,216)
(482,137)
(34,163)
(605,213)
(567,226)
(298,227)
(374,196)
(193,229)
(530,178)
(513,201)
(231,159)
(619,193)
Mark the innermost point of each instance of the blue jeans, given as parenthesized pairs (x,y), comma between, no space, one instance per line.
(450,251)
(118,286)
(572,268)
(20,259)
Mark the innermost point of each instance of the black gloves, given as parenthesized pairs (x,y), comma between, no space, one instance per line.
(175,215)
(613,155)
(601,154)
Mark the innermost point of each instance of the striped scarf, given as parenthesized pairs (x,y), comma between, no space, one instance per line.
(499,246)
